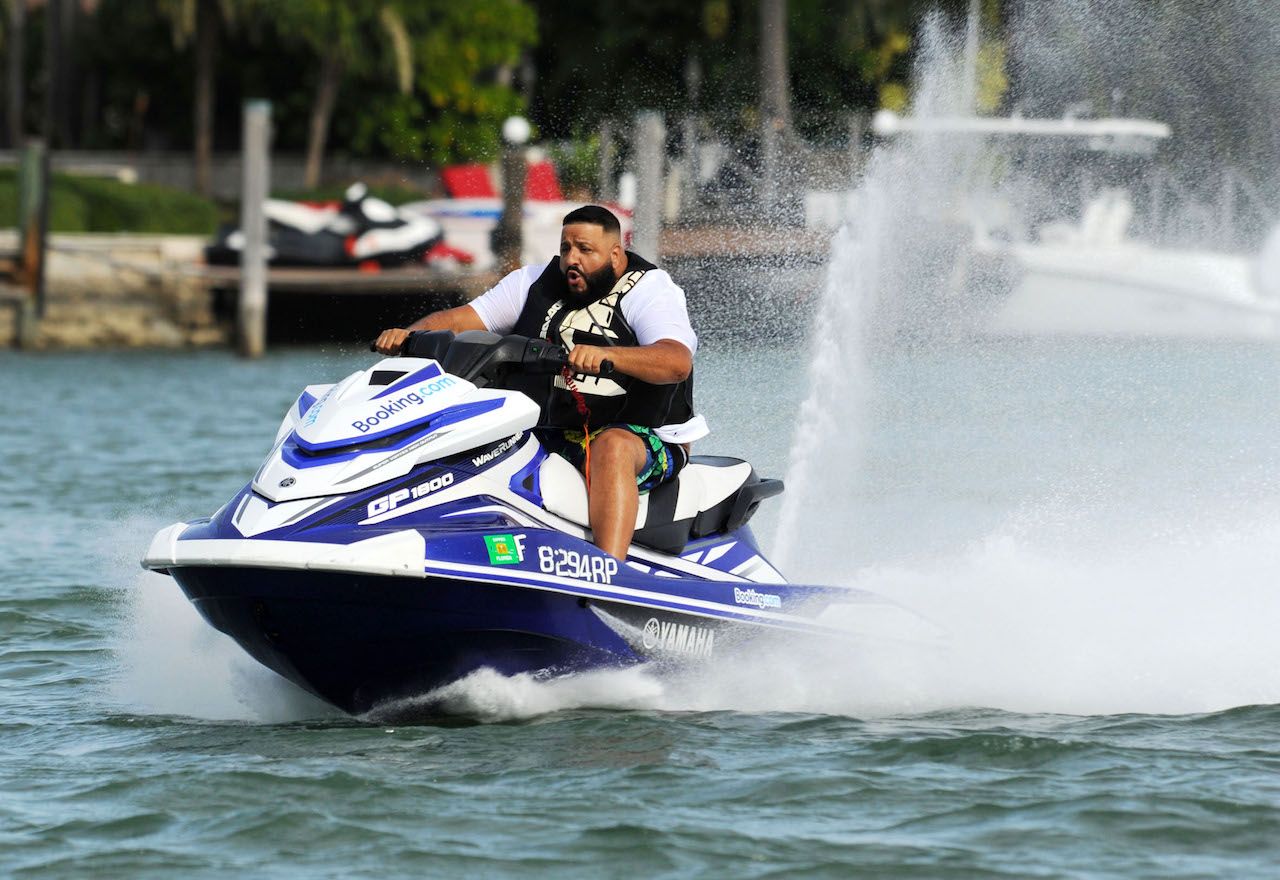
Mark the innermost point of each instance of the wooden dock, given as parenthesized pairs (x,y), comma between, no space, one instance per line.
(416,279)
(159,286)
(23,319)
(676,244)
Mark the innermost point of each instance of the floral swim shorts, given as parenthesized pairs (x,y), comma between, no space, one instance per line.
(662,460)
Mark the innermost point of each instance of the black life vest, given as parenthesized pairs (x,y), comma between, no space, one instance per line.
(550,313)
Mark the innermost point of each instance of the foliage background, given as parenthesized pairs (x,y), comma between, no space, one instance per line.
(1208,67)
(568,65)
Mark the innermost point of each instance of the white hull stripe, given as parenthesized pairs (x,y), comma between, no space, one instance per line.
(266,553)
(400,554)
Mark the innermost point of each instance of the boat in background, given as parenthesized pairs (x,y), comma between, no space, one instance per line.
(1093,279)
(1085,272)
(469,217)
(468,225)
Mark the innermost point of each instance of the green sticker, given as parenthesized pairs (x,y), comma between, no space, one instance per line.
(503,549)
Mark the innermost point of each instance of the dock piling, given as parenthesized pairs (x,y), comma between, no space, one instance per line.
(251,313)
(33,234)
(508,237)
(651,153)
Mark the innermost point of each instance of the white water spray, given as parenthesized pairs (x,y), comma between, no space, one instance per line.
(882,272)
(1177,626)
(1154,617)
(170,662)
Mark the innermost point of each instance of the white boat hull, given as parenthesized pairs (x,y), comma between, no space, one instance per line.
(1130,289)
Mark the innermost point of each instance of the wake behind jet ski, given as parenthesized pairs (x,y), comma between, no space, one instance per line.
(408,528)
(360,229)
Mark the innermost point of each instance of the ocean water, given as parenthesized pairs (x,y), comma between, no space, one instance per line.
(1095,526)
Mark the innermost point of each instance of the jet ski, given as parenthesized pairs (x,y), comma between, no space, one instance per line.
(408,528)
(359,230)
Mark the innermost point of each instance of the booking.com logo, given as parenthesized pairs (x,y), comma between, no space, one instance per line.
(392,407)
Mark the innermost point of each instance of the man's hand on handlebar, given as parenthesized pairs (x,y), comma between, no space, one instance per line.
(391,341)
(592,360)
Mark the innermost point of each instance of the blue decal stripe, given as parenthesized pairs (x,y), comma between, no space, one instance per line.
(305,402)
(295,457)
(534,468)
(428,372)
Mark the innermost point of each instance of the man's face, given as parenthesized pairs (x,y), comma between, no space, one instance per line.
(586,258)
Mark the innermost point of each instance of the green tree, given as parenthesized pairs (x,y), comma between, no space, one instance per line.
(201,22)
(464,57)
(346,38)
(842,56)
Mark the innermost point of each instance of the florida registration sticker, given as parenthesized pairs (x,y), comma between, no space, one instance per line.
(504,549)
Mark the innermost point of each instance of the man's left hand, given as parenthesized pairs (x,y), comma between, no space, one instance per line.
(588,358)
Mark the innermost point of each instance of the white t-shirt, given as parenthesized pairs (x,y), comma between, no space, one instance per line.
(655,309)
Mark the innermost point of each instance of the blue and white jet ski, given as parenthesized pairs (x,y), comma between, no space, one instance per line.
(408,528)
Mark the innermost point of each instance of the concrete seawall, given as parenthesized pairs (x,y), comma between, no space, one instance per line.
(121,291)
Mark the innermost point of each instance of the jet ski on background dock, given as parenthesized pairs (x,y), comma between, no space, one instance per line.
(358,231)
(408,528)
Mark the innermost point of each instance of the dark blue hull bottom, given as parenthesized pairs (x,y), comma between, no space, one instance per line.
(358,641)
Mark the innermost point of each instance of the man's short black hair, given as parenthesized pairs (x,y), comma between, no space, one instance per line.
(596,215)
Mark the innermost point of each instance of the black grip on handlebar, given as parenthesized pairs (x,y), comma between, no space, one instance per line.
(544,356)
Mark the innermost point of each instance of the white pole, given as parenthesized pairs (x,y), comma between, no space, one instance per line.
(607,185)
(971,38)
(651,149)
(775,99)
(252,307)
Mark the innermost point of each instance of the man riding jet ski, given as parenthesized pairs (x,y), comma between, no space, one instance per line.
(409,528)
(628,432)
(360,229)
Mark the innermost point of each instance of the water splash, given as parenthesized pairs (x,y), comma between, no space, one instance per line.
(170,662)
(888,262)
(1151,619)
(487,695)
(1181,625)
(1177,624)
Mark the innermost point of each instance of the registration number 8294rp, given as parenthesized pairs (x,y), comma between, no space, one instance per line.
(573,564)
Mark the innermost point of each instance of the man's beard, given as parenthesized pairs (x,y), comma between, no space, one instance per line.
(599,283)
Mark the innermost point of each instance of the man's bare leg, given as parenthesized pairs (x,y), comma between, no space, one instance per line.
(617,457)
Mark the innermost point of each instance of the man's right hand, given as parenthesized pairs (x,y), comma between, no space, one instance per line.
(391,341)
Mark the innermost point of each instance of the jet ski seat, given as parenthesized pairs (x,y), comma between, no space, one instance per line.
(711,494)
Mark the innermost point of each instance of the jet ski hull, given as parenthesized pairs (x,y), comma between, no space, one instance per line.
(364,641)
(408,528)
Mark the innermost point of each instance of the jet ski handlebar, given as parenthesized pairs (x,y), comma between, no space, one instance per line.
(484,357)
